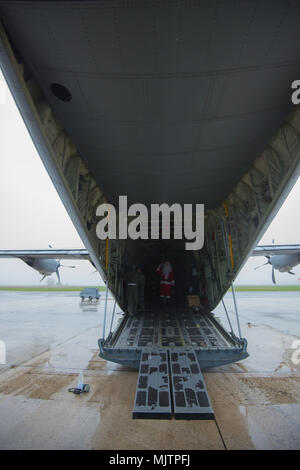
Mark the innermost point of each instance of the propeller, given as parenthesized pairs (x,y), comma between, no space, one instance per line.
(273,269)
(61,266)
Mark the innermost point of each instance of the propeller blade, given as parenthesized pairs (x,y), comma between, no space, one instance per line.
(268,262)
(43,278)
(58,276)
(290,272)
(65,266)
(262,265)
(273,275)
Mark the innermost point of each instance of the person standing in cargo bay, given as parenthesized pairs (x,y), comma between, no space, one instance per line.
(166,274)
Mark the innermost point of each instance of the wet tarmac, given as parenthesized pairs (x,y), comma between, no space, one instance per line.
(51,337)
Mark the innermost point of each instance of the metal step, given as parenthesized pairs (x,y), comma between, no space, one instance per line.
(184,378)
(153,398)
(190,397)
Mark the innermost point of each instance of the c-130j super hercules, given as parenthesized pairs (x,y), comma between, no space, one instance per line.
(169,101)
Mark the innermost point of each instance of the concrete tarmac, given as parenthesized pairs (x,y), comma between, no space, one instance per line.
(51,337)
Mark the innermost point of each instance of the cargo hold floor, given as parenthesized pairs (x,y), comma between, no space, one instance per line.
(173,329)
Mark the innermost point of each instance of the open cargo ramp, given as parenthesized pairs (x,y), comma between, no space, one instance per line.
(177,328)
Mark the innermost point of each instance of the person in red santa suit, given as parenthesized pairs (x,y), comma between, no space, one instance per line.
(166,274)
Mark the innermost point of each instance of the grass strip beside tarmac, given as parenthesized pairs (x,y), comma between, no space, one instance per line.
(266,288)
(102,288)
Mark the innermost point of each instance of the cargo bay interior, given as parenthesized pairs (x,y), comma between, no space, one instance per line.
(172,323)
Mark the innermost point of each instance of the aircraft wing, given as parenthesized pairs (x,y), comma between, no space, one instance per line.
(50,253)
(271,250)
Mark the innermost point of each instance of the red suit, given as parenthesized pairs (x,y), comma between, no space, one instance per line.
(166,274)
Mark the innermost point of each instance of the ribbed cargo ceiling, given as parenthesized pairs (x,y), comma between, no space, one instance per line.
(171,101)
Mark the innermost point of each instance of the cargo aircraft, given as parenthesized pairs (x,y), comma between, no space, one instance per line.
(164,102)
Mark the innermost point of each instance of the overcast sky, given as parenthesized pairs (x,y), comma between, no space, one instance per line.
(33,216)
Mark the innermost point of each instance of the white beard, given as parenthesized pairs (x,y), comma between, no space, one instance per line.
(166,269)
